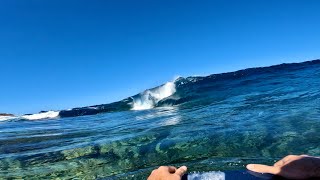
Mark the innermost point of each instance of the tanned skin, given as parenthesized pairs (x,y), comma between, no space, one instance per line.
(291,167)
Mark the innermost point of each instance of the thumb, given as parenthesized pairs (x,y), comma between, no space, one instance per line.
(181,171)
(263,168)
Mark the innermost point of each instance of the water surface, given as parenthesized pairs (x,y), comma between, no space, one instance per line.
(218,122)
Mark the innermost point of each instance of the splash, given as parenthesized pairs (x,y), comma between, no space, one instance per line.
(149,98)
(207,176)
(44,115)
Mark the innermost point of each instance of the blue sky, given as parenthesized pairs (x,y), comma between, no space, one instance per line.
(64,54)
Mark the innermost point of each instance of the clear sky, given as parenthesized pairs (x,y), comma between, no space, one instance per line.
(68,53)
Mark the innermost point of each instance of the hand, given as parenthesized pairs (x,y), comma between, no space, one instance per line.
(167,173)
(292,167)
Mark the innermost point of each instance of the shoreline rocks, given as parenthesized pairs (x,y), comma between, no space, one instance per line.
(6,114)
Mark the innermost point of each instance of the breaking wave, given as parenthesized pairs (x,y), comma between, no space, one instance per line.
(42,115)
(149,98)
(180,91)
(6,118)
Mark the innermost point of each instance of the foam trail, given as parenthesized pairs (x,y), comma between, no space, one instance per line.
(44,115)
(207,176)
(149,98)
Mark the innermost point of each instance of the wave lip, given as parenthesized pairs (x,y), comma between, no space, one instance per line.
(42,115)
(149,98)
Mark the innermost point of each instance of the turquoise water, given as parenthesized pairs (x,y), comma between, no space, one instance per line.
(219,122)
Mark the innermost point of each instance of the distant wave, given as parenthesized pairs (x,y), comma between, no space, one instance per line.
(149,98)
(42,115)
(6,118)
(177,92)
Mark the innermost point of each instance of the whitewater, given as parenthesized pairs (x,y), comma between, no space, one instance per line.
(149,98)
(213,124)
(145,100)
(37,116)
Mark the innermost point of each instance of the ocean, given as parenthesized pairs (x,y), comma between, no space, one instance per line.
(218,122)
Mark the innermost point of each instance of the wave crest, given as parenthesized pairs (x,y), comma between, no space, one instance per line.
(149,98)
(43,115)
(6,118)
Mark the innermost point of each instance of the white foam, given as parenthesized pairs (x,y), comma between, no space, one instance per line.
(207,176)
(6,118)
(149,98)
(171,121)
(45,115)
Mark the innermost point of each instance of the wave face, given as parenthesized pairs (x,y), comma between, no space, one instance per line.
(180,91)
(197,88)
(149,98)
(42,115)
(145,100)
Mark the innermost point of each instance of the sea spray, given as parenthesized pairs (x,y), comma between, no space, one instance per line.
(149,98)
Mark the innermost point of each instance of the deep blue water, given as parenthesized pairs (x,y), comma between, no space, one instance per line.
(218,122)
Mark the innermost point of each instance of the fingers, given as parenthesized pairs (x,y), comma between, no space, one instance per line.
(286,159)
(181,171)
(279,163)
(263,168)
(304,155)
(172,169)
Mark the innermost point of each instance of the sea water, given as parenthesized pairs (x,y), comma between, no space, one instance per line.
(214,123)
